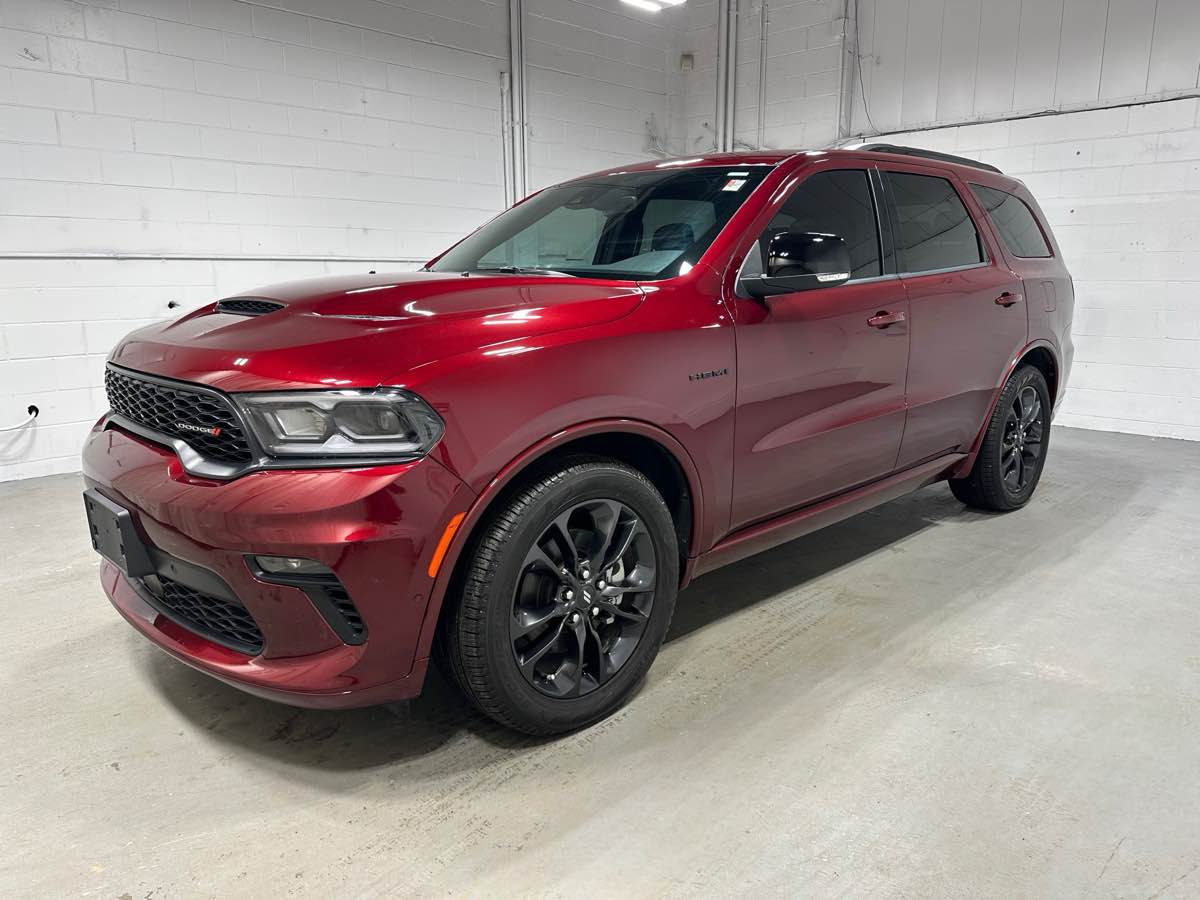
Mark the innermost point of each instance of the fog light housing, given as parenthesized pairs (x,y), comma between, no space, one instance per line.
(322,587)
(291,565)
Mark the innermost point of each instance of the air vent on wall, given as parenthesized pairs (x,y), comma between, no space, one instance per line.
(247,306)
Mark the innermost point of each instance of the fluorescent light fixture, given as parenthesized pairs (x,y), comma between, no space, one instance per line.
(647,5)
(671,2)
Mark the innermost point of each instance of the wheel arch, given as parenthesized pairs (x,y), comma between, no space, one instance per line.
(646,447)
(1043,356)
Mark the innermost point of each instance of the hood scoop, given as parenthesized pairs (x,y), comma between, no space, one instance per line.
(247,306)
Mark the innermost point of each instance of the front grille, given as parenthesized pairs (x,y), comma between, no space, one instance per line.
(211,617)
(345,607)
(164,408)
(247,306)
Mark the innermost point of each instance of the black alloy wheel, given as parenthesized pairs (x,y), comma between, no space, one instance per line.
(584,597)
(1013,453)
(1021,447)
(563,596)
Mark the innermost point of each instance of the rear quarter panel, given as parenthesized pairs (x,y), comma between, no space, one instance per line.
(1049,289)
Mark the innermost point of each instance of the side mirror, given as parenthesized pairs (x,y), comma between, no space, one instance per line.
(800,261)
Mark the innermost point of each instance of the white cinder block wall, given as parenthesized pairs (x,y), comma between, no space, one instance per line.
(600,78)
(803,74)
(1121,188)
(804,57)
(1120,185)
(699,86)
(158,151)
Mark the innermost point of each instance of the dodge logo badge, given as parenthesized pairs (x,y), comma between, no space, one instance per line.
(198,429)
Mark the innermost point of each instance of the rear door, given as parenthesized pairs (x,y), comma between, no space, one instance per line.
(967,310)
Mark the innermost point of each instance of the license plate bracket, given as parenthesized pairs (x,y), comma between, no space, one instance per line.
(114,535)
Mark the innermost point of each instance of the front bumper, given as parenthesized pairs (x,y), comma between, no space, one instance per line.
(376,528)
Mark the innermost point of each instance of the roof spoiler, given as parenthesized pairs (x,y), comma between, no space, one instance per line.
(929,154)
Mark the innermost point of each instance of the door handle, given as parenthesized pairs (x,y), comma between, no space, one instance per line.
(1008,298)
(883,319)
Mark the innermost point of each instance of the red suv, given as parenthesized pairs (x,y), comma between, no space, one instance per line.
(514,458)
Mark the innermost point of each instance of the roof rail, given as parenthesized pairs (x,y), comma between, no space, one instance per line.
(929,154)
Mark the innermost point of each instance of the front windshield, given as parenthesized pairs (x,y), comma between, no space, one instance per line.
(632,225)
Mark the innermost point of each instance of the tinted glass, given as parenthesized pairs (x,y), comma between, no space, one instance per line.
(933,229)
(1014,220)
(633,225)
(832,203)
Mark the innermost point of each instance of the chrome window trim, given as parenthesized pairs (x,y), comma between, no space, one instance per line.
(894,276)
(942,271)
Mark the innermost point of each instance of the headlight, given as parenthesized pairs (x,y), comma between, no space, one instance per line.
(384,422)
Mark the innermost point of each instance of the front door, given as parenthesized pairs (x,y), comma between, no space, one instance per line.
(820,396)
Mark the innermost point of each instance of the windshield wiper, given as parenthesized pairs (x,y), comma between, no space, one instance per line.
(522,270)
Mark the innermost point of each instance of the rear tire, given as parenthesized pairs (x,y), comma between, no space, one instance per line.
(566,596)
(1014,448)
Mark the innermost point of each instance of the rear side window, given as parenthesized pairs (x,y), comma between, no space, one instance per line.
(1014,220)
(933,228)
(838,203)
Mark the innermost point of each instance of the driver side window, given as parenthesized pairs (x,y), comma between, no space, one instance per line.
(838,202)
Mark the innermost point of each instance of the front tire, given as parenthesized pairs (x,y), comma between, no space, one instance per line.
(565,599)
(1013,452)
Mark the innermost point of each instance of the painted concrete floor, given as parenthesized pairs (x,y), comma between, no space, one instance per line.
(922,701)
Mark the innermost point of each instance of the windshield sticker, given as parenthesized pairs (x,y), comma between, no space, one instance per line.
(734,184)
